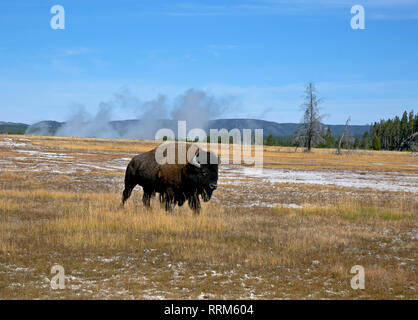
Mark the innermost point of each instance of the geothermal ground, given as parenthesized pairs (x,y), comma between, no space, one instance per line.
(291,230)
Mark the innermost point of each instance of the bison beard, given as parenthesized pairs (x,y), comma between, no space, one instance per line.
(175,183)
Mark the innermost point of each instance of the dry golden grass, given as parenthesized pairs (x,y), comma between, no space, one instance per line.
(225,252)
(352,208)
(93,144)
(10,176)
(257,244)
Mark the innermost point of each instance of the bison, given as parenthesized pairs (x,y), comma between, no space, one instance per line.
(175,183)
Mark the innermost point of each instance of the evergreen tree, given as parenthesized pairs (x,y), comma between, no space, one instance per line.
(392,132)
(376,143)
(411,122)
(365,141)
(328,139)
(416,123)
(270,140)
(404,128)
(356,143)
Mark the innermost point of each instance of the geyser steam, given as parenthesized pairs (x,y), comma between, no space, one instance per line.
(194,106)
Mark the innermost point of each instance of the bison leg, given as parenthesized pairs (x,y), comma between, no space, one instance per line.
(194,203)
(169,200)
(146,198)
(127,192)
(161,197)
(180,199)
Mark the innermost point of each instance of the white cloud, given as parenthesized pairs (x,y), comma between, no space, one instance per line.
(76,51)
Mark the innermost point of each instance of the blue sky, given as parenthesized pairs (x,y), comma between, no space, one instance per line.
(258,53)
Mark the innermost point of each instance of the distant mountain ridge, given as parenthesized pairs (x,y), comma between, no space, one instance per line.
(280,129)
(50,127)
(12,127)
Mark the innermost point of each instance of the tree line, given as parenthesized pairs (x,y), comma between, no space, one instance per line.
(383,135)
(389,134)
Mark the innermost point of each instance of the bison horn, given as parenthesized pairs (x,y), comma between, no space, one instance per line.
(195,162)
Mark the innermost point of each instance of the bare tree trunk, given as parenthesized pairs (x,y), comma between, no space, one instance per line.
(345,135)
(309,132)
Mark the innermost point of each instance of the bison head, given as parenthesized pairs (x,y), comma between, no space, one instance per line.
(203,173)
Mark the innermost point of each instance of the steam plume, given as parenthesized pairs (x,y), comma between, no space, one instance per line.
(194,106)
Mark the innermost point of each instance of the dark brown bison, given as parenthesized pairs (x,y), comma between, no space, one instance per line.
(175,183)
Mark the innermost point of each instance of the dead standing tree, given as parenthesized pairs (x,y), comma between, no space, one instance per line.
(309,132)
(346,138)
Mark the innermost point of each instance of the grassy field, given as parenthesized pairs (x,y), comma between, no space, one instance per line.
(60,204)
